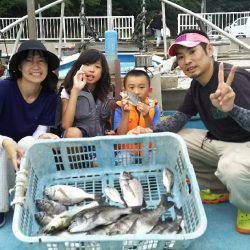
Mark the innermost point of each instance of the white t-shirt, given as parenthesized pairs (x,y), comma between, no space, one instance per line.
(39,131)
(64,94)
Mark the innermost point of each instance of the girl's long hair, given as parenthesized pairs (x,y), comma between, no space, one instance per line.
(91,56)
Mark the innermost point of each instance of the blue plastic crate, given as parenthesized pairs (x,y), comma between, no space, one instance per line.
(93,164)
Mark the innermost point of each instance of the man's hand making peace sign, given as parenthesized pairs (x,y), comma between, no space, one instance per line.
(223,98)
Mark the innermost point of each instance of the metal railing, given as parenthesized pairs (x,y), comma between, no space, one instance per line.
(48,27)
(220,19)
(20,23)
(202,19)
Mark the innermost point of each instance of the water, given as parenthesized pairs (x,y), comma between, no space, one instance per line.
(127,63)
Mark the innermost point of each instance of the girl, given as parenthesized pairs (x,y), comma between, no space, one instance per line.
(27,108)
(86,108)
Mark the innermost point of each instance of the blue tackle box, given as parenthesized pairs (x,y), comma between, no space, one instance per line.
(95,163)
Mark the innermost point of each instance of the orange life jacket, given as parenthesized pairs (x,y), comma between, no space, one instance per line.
(136,119)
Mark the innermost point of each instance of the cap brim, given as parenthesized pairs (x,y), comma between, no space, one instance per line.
(189,44)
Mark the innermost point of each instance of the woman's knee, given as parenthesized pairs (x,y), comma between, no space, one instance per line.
(73,133)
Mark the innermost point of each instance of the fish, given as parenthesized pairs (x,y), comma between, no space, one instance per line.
(88,213)
(43,218)
(170,227)
(63,220)
(149,218)
(101,230)
(168,181)
(136,186)
(132,97)
(85,215)
(50,207)
(131,189)
(114,195)
(123,225)
(106,216)
(68,195)
(58,223)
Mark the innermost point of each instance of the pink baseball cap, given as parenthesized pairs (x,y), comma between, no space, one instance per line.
(187,40)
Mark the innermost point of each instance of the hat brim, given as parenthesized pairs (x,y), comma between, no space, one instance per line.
(53,60)
(189,44)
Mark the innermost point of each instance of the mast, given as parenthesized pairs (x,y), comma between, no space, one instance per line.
(31,19)
(204,6)
(109,14)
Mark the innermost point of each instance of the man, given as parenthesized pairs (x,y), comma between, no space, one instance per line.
(220,156)
(157,26)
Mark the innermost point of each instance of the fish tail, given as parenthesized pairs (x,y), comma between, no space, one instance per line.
(165,202)
(98,197)
(136,209)
(178,214)
(168,194)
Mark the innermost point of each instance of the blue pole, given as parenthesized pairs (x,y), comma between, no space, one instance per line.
(111,47)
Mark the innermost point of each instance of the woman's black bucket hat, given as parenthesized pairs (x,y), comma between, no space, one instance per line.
(53,60)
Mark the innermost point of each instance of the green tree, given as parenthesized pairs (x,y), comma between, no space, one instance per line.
(17,8)
(72,7)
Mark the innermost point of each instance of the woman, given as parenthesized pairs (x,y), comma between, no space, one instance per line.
(27,108)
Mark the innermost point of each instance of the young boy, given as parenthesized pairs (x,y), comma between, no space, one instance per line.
(146,112)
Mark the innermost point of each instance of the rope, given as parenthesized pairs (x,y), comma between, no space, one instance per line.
(20,187)
(89,30)
(137,36)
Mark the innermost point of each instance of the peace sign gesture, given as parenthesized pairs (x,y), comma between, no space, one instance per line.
(223,98)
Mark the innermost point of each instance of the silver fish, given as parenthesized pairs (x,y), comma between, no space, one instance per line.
(106,216)
(43,218)
(68,195)
(92,212)
(58,223)
(132,190)
(50,207)
(86,214)
(132,97)
(149,218)
(123,225)
(101,230)
(113,194)
(168,180)
(83,218)
(170,227)
(62,220)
